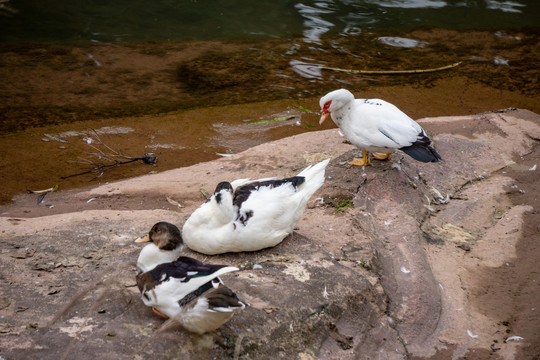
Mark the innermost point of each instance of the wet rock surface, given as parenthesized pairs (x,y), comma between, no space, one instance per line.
(376,268)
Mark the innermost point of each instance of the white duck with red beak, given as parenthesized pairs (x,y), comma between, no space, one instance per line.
(376,126)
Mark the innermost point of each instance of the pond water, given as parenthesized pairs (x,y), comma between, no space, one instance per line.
(136,20)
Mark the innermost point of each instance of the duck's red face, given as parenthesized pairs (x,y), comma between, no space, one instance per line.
(325,112)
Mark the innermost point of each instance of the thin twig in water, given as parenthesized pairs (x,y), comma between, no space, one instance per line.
(42,193)
(391,72)
(112,156)
(53,189)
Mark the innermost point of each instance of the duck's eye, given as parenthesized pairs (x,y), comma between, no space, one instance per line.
(327,105)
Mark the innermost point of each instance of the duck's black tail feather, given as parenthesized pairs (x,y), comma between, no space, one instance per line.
(225,298)
(421,150)
(422,153)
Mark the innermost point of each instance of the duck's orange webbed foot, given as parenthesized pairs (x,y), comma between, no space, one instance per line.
(381,156)
(364,161)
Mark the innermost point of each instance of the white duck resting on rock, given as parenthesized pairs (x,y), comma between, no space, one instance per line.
(182,288)
(248,215)
(376,126)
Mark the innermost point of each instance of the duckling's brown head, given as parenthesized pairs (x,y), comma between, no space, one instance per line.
(164,235)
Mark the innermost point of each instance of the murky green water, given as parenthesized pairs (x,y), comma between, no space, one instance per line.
(25,21)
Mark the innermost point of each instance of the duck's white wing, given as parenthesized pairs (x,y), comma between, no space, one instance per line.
(277,205)
(276,219)
(382,124)
(268,206)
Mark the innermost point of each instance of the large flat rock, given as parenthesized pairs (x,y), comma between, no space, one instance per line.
(373,269)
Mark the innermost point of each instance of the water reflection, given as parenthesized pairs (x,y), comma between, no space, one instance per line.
(409,4)
(401,42)
(506,6)
(350,17)
(128,20)
(306,70)
(314,24)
